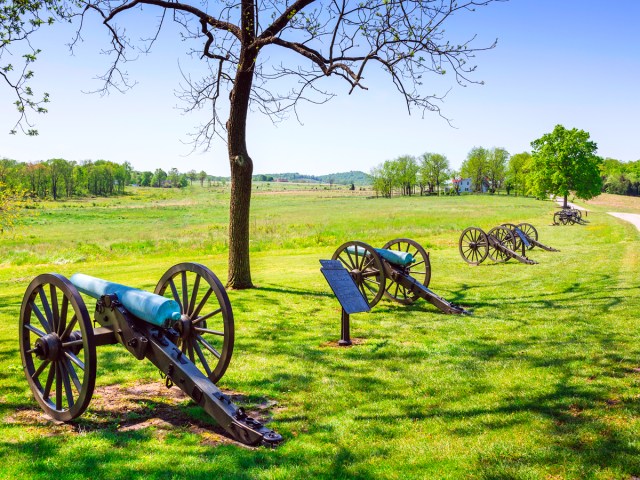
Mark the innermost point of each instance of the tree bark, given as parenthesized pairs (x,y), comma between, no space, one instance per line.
(239,276)
(565,201)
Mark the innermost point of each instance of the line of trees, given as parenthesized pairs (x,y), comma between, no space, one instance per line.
(561,162)
(622,178)
(59,178)
(409,175)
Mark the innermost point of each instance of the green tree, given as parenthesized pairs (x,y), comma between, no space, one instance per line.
(174,178)
(496,167)
(159,176)
(434,169)
(405,39)
(146,178)
(202,176)
(517,171)
(384,179)
(565,161)
(475,167)
(192,175)
(405,174)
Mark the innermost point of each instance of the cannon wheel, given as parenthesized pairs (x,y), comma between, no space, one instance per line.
(530,231)
(57,346)
(473,245)
(505,238)
(365,266)
(519,245)
(206,327)
(419,270)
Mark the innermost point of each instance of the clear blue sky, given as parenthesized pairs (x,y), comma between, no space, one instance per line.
(570,62)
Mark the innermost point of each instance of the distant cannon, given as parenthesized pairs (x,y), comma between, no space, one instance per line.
(188,334)
(500,244)
(568,216)
(404,262)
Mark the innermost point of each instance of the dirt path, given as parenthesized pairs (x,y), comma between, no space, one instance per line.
(628,217)
(560,202)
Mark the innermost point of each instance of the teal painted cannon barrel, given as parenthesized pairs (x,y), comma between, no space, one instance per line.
(147,306)
(402,259)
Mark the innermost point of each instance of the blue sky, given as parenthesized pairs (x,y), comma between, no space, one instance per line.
(570,62)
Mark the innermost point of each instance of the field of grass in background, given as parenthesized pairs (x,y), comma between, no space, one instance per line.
(543,381)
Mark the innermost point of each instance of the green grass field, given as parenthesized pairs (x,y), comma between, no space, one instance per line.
(542,381)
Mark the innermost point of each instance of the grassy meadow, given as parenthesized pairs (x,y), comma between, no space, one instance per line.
(542,381)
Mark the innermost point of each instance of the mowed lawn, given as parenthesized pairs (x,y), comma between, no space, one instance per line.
(542,381)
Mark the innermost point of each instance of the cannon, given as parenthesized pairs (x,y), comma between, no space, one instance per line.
(499,244)
(402,262)
(185,328)
(568,216)
(526,236)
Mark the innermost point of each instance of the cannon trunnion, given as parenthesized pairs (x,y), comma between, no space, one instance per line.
(185,329)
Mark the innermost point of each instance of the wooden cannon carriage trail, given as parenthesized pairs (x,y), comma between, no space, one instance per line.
(185,328)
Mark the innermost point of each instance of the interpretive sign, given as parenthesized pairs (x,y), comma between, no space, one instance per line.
(347,293)
(343,286)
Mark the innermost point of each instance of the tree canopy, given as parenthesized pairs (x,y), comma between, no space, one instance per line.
(565,161)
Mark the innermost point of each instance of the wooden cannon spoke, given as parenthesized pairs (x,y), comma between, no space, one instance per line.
(194,295)
(70,327)
(66,384)
(40,369)
(201,305)
(46,308)
(71,356)
(185,297)
(55,311)
(208,346)
(206,330)
(207,316)
(207,369)
(73,374)
(174,292)
(58,386)
(33,329)
(63,317)
(49,383)
(40,317)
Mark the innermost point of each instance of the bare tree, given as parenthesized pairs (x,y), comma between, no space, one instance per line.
(337,38)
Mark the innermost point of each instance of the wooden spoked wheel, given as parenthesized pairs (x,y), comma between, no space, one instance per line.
(419,270)
(57,346)
(473,245)
(365,266)
(505,238)
(519,245)
(559,219)
(530,231)
(206,327)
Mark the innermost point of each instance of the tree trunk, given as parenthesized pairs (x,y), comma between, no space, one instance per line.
(565,201)
(241,171)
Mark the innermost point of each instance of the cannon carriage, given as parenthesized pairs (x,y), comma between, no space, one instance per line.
(400,271)
(185,328)
(500,244)
(568,216)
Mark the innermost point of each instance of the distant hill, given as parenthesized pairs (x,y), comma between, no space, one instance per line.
(343,178)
